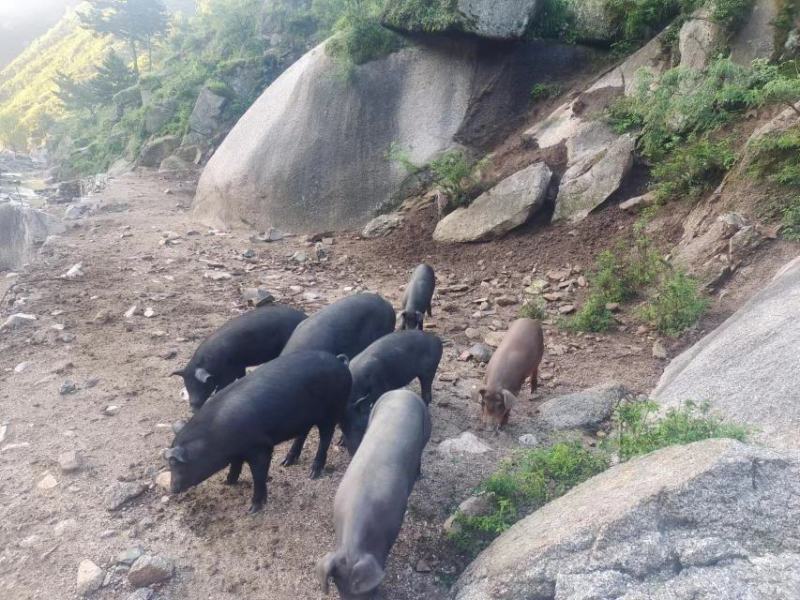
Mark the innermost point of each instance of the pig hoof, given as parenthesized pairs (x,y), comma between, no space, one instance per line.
(255,507)
(316,472)
(289,461)
(231,482)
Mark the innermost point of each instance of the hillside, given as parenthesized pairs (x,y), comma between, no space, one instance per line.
(22,23)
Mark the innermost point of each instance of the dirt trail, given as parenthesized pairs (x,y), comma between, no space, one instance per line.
(141,248)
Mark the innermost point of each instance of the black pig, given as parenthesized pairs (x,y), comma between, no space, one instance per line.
(278,401)
(371,501)
(248,340)
(417,298)
(344,327)
(390,363)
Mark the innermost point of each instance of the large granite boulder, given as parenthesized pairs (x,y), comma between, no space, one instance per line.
(699,40)
(509,204)
(597,162)
(206,117)
(155,151)
(22,231)
(748,367)
(496,19)
(714,519)
(311,153)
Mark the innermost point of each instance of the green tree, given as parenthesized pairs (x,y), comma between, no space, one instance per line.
(112,76)
(136,22)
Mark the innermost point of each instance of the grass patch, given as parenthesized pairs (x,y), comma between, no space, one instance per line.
(429,16)
(533,309)
(526,481)
(638,431)
(776,157)
(677,305)
(692,169)
(532,478)
(791,221)
(359,36)
(544,91)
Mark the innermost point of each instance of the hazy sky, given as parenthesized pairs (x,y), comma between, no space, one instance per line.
(22,21)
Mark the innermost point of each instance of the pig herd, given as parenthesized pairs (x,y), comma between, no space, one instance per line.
(345,365)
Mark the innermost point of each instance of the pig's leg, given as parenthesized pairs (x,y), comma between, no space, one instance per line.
(325,437)
(534,379)
(234,472)
(294,452)
(504,420)
(426,384)
(430,311)
(259,467)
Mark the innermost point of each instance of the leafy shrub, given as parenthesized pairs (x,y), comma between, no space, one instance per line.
(544,91)
(359,36)
(429,16)
(593,316)
(528,480)
(533,309)
(775,157)
(555,21)
(456,175)
(692,169)
(637,431)
(677,305)
(791,221)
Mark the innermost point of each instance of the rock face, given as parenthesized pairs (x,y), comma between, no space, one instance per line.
(707,520)
(206,116)
(155,151)
(508,205)
(159,114)
(756,38)
(598,160)
(586,409)
(699,40)
(747,367)
(311,152)
(502,19)
(381,226)
(22,230)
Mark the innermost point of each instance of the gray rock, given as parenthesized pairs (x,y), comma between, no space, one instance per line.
(756,38)
(382,225)
(729,509)
(499,19)
(69,461)
(310,153)
(659,350)
(175,163)
(68,387)
(481,352)
(149,569)
(90,578)
(529,440)
(509,204)
(190,154)
(257,296)
(747,367)
(474,506)
(592,20)
(466,443)
(700,39)
(597,162)
(206,116)
(129,556)
(155,151)
(22,231)
(142,594)
(157,115)
(122,493)
(582,410)
(69,191)
(77,211)
(18,320)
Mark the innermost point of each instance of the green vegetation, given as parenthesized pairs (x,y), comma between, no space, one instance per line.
(533,309)
(637,429)
(544,91)
(791,221)
(429,16)
(526,481)
(677,305)
(457,176)
(682,117)
(531,478)
(593,316)
(359,36)
(775,157)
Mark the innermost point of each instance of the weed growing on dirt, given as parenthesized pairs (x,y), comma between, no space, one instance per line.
(544,91)
(430,16)
(676,306)
(637,431)
(456,175)
(526,481)
(791,221)
(775,158)
(533,309)
(692,169)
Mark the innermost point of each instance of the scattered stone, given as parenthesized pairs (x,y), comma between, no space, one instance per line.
(382,225)
(553,296)
(18,320)
(257,296)
(48,482)
(270,235)
(149,569)
(582,410)
(638,202)
(69,461)
(129,556)
(149,313)
(466,443)
(10,447)
(21,367)
(111,410)
(131,311)
(142,594)
(494,338)
(3,432)
(90,577)
(103,316)
(299,257)
(659,350)
(529,440)
(556,275)
(582,281)
(68,387)
(217,275)
(422,566)
(122,493)
(472,333)
(74,272)
(62,527)
(481,352)
(566,309)
(164,480)
(76,211)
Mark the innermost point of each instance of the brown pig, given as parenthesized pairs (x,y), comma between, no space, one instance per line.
(516,359)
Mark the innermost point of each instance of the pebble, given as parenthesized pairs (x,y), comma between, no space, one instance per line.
(142,594)
(494,338)
(528,440)
(149,569)
(149,313)
(257,296)
(90,577)
(612,306)
(131,311)
(68,387)
(217,275)
(129,556)
(21,367)
(481,352)
(10,447)
(122,493)
(299,257)
(566,309)
(3,432)
(18,320)
(505,301)
(466,443)
(48,482)
(62,527)
(69,461)
(472,333)
(422,566)
(111,410)
(659,350)
(74,272)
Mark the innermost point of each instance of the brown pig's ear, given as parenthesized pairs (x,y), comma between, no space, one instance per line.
(509,399)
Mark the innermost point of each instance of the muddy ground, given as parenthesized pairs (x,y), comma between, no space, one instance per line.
(141,248)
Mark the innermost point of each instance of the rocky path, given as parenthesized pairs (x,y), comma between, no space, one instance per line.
(86,403)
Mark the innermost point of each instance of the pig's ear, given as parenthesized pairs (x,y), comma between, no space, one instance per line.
(180,373)
(325,568)
(178,453)
(202,375)
(367,574)
(177,426)
(480,394)
(509,399)
(344,359)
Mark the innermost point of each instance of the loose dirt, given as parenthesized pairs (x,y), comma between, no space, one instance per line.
(140,248)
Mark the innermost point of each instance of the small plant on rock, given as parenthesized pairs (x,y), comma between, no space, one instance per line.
(456,176)
(677,304)
(533,309)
